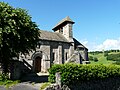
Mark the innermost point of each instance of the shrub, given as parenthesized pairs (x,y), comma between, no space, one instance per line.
(74,73)
(95,59)
(4,80)
(114,57)
(116,63)
(105,54)
(91,58)
(4,77)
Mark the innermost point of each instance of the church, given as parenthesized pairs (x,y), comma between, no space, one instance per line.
(57,47)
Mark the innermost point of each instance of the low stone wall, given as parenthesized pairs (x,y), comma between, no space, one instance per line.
(106,84)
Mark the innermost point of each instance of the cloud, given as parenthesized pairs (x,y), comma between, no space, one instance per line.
(108,44)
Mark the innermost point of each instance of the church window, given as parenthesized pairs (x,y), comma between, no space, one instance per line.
(66,56)
(53,56)
(61,30)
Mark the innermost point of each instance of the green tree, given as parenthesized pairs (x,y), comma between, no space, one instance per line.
(95,59)
(18,34)
(91,58)
(105,54)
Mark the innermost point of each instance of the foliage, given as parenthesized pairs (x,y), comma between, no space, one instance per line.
(107,51)
(18,34)
(112,83)
(95,52)
(90,58)
(114,57)
(4,77)
(95,59)
(117,63)
(74,73)
(5,81)
(102,59)
(105,54)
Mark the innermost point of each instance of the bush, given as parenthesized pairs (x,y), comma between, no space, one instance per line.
(4,77)
(114,57)
(95,59)
(105,54)
(116,63)
(4,80)
(91,58)
(74,73)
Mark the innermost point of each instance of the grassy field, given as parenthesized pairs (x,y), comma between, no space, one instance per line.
(101,59)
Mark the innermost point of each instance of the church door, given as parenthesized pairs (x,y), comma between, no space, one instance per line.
(38,64)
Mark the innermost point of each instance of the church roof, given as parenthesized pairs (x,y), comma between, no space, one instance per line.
(78,44)
(52,36)
(66,19)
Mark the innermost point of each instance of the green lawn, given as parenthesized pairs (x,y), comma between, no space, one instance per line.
(101,59)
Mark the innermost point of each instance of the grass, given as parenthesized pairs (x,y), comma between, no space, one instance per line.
(4,80)
(101,59)
(8,83)
(44,85)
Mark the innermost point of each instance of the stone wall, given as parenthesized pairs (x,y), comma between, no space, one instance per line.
(61,51)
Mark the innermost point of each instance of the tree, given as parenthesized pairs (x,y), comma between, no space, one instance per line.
(105,54)
(91,58)
(18,34)
(95,59)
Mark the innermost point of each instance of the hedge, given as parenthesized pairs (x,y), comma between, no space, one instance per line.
(74,73)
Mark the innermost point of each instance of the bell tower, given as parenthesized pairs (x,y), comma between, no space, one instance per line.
(65,28)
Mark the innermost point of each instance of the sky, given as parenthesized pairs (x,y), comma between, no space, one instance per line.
(97,22)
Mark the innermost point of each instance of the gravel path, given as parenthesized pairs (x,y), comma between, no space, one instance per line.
(23,86)
(29,82)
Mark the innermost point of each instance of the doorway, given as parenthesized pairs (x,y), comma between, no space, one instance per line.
(37,63)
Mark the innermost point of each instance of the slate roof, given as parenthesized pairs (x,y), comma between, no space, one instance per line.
(66,19)
(78,44)
(52,36)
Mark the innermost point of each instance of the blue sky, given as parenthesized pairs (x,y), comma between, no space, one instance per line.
(97,22)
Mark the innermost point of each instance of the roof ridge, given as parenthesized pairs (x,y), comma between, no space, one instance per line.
(67,18)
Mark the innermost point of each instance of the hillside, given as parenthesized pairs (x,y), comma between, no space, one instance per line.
(106,57)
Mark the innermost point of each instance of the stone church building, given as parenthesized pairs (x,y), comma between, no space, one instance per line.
(56,47)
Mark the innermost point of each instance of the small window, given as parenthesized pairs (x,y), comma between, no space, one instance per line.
(53,56)
(66,56)
(61,30)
